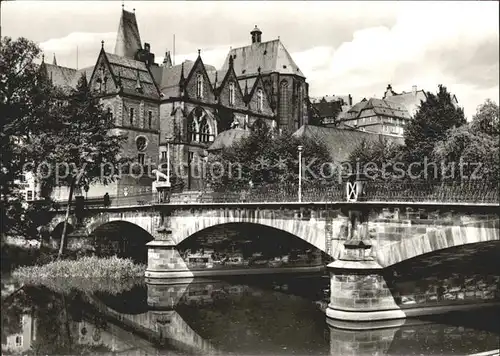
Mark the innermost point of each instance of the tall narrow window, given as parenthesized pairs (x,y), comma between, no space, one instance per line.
(231,93)
(204,131)
(140,158)
(192,129)
(199,86)
(131,116)
(283,104)
(260,99)
(150,118)
(110,114)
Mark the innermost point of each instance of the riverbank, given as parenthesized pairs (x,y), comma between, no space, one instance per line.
(113,268)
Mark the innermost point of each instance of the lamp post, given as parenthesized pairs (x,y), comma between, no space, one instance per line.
(300,148)
(168,163)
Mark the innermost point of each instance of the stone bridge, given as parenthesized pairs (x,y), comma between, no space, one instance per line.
(363,238)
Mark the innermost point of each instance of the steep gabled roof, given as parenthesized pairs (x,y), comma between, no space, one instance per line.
(128,72)
(381,107)
(66,78)
(270,56)
(168,77)
(128,40)
(341,142)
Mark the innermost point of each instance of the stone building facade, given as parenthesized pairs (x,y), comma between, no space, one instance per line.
(180,109)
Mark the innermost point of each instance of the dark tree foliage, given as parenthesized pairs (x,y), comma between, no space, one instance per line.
(27,109)
(471,152)
(86,143)
(265,158)
(434,118)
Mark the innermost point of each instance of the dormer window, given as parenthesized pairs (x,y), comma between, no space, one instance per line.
(260,99)
(199,86)
(231,93)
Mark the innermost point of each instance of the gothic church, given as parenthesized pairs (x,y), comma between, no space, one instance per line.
(188,105)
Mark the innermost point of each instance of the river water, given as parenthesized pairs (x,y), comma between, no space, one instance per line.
(258,316)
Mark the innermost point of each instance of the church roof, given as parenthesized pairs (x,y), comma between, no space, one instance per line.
(128,71)
(228,138)
(128,40)
(66,78)
(168,77)
(221,74)
(341,142)
(270,56)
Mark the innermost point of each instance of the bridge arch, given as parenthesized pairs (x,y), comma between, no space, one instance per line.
(436,240)
(56,232)
(310,230)
(122,238)
(251,244)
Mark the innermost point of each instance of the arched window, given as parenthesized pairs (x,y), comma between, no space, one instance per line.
(260,99)
(141,143)
(199,86)
(204,131)
(200,127)
(231,93)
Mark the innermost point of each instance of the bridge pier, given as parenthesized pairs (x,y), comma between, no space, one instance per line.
(358,289)
(165,261)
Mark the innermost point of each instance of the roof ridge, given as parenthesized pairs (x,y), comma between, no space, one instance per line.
(251,44)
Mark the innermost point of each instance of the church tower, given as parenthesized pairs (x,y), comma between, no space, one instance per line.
(128,40)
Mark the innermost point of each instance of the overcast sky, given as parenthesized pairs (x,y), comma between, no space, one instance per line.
(342,47)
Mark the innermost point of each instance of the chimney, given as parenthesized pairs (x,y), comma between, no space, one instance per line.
(350,100)
(414,89)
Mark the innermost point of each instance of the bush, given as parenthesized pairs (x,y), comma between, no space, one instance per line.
(87,267)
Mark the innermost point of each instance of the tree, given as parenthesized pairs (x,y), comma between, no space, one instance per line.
(472,150)
(27,107)
(434,118)
(86,143)
(264,158)
(376,158)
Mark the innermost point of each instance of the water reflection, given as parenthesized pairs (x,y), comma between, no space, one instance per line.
(259,316)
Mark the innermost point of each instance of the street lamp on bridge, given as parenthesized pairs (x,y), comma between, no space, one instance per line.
(300,148)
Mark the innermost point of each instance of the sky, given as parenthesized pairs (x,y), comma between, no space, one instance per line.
(355,48)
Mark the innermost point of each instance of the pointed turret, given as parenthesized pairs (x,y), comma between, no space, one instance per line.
(54,61)
(167,61)
(128,40)
(182,81)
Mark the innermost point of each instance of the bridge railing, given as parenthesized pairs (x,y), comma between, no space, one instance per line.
(469,192)
(446,192)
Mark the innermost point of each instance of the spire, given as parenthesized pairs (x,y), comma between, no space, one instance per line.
(246,87)
(182,80)
(199,52)
(258,70)
(43,57)
(128,40)
(231,61)
(54,61)
(102,44)
(167,61)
